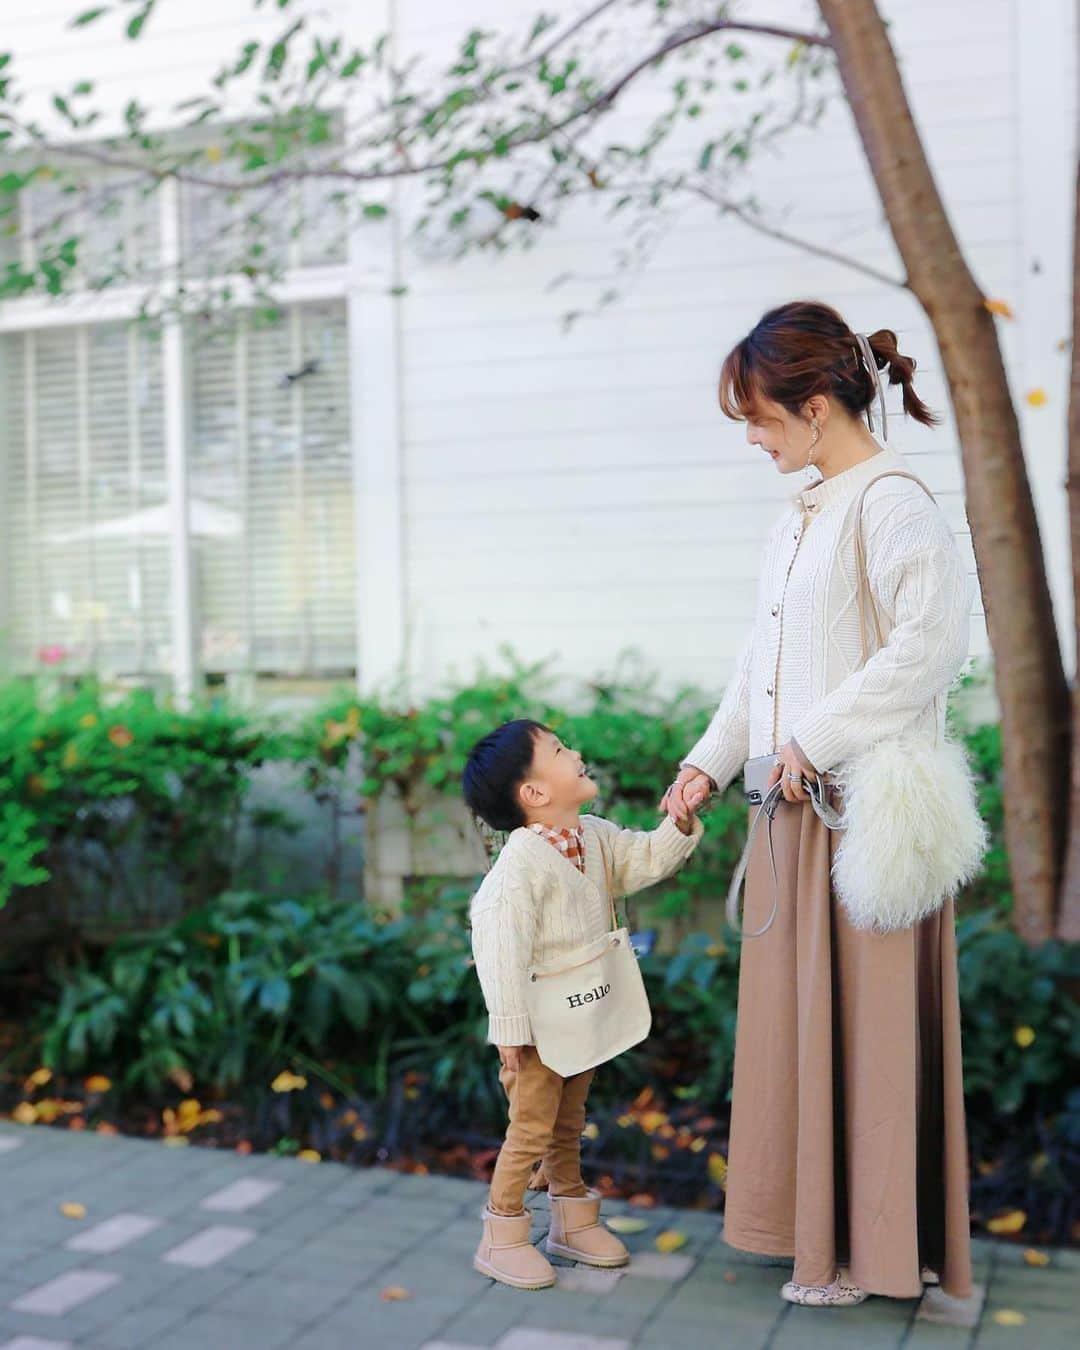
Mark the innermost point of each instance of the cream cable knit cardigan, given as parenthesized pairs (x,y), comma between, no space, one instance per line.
(535,906)
(799,672)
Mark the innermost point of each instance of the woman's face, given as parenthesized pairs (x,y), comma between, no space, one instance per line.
(785,438)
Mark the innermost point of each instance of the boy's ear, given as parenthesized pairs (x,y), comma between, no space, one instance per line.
(532,796)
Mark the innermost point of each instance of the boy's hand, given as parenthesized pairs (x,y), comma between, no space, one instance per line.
(510,1057)
(691,789)
(686,825)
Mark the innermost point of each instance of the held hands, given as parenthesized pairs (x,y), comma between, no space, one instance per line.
(689,791)
(791,768)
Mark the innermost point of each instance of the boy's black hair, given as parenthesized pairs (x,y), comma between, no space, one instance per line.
(497,766)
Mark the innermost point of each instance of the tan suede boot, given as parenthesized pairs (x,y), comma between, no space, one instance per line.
(576,1232)
(506,1254)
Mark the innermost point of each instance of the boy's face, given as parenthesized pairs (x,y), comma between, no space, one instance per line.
(557,780)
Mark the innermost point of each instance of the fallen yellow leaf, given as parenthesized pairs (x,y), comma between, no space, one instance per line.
(1034,1257)
(591,1130)
(671,1240)
(24,1113)
(624,1223)
(1036,398)
(38,1079)
(309,1155)
(1001,308)
(176,1141)
(1024,1036)
(394,1293)
(97,1082)
(71,1209)
(652,1120)
(1012,1222)
(718,1169)
(288,1082)
(1009,1317)
(214,154)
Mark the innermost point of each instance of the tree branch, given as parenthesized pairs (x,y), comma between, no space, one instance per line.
(599,104)
(747,218)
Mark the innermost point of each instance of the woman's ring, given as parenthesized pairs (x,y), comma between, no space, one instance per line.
(794,777)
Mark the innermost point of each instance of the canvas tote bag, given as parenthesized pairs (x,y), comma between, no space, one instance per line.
(589,1006)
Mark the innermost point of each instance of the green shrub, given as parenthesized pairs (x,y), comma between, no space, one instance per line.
(232,991)
(121,797)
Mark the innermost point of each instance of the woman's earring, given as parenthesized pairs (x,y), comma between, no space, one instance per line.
(815,433)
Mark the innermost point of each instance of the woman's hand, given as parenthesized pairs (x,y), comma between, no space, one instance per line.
(792,767)
(691,789)
(510,1057)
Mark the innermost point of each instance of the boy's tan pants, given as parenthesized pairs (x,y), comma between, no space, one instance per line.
(547,1116)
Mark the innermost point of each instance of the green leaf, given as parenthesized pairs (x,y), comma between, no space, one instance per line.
(89,16)
(275,995)
(375,211)
(136,25)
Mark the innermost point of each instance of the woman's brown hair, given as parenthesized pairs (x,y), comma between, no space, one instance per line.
(806,348)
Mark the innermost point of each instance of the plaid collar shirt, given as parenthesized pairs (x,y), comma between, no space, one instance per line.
(570,843)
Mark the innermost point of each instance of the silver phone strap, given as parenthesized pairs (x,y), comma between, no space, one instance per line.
(770,804)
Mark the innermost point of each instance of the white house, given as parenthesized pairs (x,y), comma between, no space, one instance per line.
(420,464)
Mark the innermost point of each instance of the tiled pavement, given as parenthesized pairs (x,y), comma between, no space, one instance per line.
(191,1249)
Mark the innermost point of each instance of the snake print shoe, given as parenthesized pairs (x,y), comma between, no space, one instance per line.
(840,1294)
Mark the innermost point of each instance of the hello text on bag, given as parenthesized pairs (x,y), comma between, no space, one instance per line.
(593,995)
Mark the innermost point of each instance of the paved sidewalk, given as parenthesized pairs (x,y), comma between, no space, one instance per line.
(192,1249)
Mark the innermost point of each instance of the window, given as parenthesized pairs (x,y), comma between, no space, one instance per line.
(271,495)
(85,516)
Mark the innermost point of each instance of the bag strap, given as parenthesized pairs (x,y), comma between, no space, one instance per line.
(864,595)
(771,803)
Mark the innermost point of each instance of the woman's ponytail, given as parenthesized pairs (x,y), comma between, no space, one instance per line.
(902,372)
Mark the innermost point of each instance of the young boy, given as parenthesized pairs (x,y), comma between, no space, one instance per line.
(548,894)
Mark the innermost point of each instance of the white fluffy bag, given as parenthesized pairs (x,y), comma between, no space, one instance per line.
(912,830)
(912,833)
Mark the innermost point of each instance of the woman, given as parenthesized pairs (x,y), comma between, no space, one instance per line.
(847,1147)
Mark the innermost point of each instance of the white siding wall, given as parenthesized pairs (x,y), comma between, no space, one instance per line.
(537,466)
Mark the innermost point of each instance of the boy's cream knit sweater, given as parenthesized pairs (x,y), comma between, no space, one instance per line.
(534,906)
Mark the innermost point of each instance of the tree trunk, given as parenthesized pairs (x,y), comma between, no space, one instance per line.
(1028,671)
(1069,926)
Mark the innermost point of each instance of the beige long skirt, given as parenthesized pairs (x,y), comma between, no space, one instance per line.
(848,1142)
